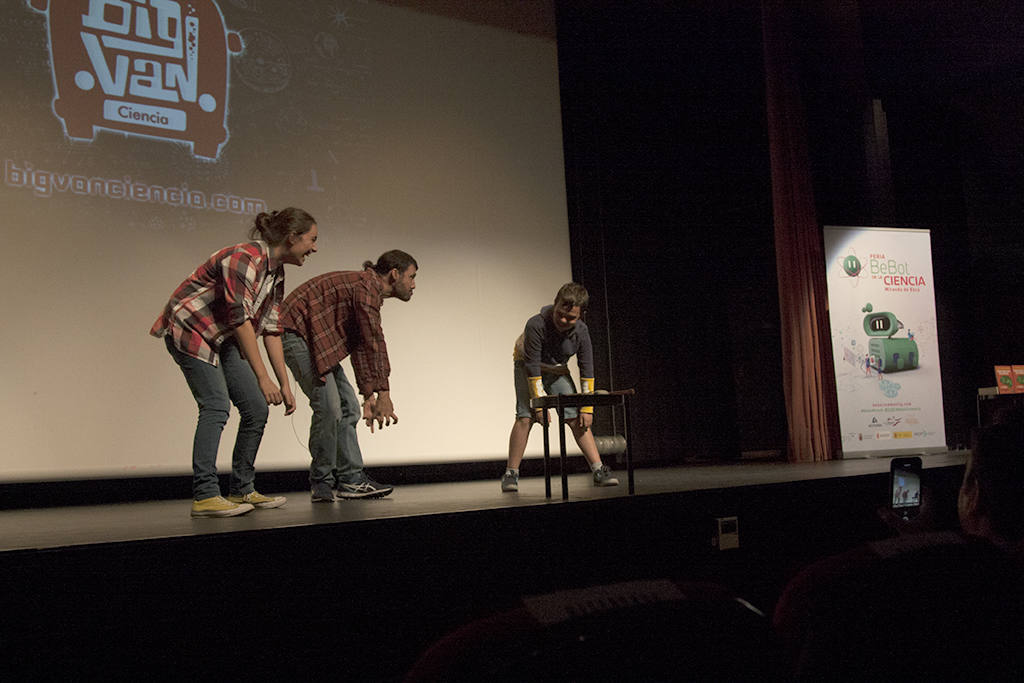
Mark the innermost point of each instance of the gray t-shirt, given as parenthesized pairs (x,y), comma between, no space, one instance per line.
(542,344)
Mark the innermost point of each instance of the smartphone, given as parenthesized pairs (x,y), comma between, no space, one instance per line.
(905,486)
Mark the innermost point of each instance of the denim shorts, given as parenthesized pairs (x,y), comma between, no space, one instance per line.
(553,384)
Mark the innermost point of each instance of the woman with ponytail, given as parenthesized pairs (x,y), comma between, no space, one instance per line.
(210,326)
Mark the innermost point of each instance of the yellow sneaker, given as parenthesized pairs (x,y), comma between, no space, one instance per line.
(217,506)
(257,499)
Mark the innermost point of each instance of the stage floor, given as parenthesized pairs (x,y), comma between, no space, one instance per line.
(58,527)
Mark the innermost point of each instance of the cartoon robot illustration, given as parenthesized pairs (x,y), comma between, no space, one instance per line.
(885,353)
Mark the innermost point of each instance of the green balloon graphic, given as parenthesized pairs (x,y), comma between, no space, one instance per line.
(851,265)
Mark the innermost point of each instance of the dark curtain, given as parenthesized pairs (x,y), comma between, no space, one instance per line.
(808,374)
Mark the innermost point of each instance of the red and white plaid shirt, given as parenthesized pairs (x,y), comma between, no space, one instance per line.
(234,285)
(338,314)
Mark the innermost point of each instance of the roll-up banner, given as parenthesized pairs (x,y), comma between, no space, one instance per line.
(884,340)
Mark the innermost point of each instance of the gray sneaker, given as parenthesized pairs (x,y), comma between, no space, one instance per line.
(321,492)
(364,487)
(603,477)
(510,481)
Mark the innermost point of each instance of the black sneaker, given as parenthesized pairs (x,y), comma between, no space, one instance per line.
(320,492)
(364,487)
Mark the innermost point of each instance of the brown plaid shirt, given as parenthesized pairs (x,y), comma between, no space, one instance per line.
(338,314)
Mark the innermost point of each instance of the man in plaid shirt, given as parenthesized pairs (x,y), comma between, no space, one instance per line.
(325,320)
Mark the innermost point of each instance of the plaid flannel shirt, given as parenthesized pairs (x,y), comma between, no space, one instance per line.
(234,285)
(338,315)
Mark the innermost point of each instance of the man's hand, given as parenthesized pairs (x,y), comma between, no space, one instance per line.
(585,420)
(383,411)
(368,404)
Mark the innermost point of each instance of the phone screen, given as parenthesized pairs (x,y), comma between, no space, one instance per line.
(906,489)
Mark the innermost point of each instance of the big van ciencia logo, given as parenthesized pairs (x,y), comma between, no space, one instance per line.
(153,68)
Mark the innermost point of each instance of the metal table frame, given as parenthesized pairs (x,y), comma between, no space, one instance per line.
(562,401)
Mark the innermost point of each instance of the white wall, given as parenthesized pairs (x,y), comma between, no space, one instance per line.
(394,128)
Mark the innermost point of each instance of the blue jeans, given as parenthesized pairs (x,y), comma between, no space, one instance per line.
(215,388)
(333,444)
(553,384)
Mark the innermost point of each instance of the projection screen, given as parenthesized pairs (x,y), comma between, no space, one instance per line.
(140,136)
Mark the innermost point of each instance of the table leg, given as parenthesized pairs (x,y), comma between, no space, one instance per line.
(561,446)
(629,443)
(547,457)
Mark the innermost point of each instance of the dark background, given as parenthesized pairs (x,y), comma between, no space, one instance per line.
(669,193)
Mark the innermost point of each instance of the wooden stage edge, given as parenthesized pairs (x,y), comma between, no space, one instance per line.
(34,529)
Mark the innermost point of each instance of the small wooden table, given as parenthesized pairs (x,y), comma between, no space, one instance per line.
(562,401)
